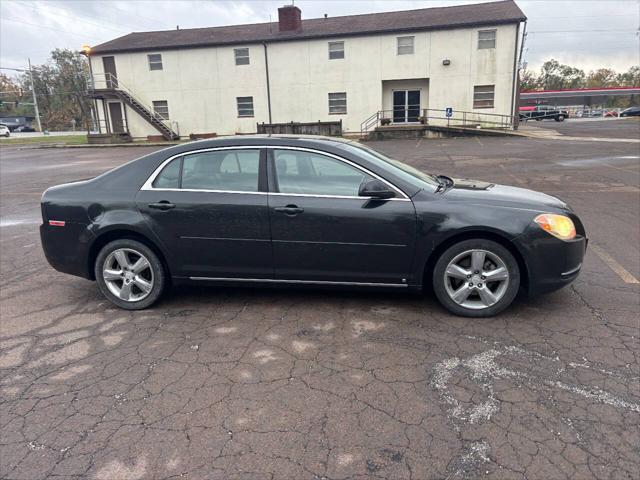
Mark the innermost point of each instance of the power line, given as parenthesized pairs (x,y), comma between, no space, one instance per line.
(45,26)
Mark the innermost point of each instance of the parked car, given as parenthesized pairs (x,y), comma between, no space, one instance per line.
(611,113)
(597,112)
(24,128)
(4,131)
(542,112)
(307,211)
(631,112)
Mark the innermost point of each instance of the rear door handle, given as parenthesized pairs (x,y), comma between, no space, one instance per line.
(162,205)
(289,209)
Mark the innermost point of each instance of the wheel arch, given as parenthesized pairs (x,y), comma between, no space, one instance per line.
(469,235)
(120,234)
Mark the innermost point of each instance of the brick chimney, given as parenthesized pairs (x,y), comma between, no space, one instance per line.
(289,18)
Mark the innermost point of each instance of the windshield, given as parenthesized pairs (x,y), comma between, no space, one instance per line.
(399,169)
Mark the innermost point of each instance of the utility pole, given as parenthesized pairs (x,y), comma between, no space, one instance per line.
(35,98)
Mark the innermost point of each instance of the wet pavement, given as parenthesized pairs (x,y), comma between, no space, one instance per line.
(239,383)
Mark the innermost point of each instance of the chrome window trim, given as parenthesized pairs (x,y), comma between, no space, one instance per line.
(148,185)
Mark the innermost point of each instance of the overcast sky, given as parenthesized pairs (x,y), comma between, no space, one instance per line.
(585,33)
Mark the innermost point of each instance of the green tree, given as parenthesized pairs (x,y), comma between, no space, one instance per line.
(603,77)
(528,80)
(60,86)
(630,78)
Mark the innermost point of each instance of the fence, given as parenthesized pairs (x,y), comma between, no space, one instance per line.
(329,129)
(438,117)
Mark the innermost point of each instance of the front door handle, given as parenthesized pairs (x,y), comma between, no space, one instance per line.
(289,209)
(162,205)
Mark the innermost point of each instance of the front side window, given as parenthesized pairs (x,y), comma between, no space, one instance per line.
(309,173)
(242,56)
(245,106)
(405,45)
(225,170)
(483,96)
(155,61)
(486,39)
(336,50)
(338,103)
(161,109)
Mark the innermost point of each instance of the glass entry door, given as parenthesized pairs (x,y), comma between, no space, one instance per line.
(406,106)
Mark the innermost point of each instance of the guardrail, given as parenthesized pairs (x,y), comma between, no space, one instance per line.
(439,117)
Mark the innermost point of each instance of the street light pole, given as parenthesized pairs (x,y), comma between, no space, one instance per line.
(35,98)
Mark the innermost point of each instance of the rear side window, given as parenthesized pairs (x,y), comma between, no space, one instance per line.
(169,177)
(225,170)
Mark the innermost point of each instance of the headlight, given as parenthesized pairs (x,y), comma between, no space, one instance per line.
(559,226)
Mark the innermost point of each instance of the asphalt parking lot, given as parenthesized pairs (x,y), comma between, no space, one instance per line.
(293,384)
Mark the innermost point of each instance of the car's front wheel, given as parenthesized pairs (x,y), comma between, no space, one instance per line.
(129,274)
(476,278)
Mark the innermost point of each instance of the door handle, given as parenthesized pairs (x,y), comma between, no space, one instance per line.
(162,205)
(289,209)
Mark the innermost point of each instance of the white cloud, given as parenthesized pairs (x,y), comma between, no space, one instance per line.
(587,34)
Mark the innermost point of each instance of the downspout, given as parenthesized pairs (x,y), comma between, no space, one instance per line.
(266,66)
(517,63)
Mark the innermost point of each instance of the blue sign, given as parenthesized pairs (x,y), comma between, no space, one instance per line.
(449,111)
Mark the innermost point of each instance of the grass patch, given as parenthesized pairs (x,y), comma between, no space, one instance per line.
(59,139)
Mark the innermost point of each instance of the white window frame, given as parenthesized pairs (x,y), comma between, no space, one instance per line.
(408,48)
(481,97)
(240,56)
(158,111)
(242,104)
(337,49)
(336,99)
(487,43)
(155,63)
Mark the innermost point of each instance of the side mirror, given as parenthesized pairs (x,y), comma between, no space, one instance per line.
(376,189)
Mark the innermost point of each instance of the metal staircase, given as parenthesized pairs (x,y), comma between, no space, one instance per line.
(114,86)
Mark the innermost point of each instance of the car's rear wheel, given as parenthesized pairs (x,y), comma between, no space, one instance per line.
(129,274)
(476,278)
(560,118)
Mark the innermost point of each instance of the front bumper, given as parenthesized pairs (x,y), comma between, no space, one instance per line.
(67,248)
(551,263)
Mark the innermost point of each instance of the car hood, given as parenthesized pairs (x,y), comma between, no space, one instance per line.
(502,195)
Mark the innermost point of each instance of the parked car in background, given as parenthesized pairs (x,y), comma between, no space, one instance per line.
(596,112)
(543,112)
(24,128)
(631,112)
(4,131)
(611,113)
(255,210)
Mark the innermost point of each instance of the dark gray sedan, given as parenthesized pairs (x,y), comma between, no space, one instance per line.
(307,211)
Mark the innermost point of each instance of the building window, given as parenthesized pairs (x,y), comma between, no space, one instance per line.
(336,50)
(245,106)
(483,96)
(161,108)
(486,39)
(155,61)
(242,56)
(405,45)
(338,103)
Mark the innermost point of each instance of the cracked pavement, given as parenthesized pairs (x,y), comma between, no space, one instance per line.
(240,383)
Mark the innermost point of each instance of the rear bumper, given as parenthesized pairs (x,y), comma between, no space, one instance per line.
(67,247)
(551,263)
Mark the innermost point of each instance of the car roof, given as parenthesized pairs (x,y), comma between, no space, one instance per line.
(266,139)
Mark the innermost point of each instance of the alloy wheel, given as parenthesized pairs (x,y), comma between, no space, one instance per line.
(128,274)
(476,279)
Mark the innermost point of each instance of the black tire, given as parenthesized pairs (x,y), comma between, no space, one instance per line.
(495,248)
(155,265)
(560,118)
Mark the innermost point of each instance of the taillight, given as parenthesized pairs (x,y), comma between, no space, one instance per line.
(57,223)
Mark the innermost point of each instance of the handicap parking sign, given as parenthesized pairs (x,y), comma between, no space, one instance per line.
(449,111)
